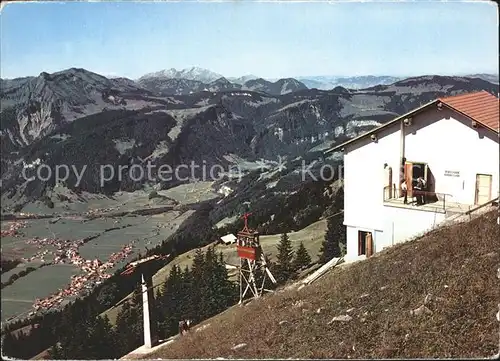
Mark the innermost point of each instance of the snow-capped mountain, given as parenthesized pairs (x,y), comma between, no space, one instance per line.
(194,73)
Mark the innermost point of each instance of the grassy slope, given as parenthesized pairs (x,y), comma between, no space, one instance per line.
(312,236)
(458,264)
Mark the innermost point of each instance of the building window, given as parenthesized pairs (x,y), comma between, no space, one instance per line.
(365,243)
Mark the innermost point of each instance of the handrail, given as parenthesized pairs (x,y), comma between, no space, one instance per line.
(398,194)
(482,205)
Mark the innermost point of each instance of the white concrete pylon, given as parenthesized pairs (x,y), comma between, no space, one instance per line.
(146,314)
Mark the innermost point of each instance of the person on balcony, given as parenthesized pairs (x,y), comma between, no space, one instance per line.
(420,187)
(404,190)
(424,190)
(184,326)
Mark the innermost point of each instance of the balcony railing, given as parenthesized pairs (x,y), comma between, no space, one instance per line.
(431,201)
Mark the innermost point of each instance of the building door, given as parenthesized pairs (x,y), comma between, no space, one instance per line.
(365,243)
(409,178)
(414,170)
(483,188)
(369,244)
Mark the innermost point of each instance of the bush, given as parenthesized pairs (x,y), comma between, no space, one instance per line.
(13,277)
(47,201)
(17,208)
(153,194)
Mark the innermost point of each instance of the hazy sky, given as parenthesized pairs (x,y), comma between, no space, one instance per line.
(268,39)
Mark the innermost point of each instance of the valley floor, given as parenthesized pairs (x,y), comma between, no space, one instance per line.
(436,296)
(101,230)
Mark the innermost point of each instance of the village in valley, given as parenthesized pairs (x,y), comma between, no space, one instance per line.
(66,252)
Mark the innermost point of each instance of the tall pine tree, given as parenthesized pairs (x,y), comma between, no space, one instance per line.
(102,340)
(187,305)
(285,258)
(197,278)
(128,326)
(334,244)
(169,302)
(217,291)
(302,258)
(8,343)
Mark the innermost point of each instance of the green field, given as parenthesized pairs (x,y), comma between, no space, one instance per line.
(20,267)
(147,232)
(20,296)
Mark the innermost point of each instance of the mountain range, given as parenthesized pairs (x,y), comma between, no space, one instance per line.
(62,118)
(324,82)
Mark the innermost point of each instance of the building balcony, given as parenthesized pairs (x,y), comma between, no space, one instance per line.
(430,201)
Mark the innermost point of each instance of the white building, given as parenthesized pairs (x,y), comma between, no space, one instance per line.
(452,142)
(225,190)
(228,238)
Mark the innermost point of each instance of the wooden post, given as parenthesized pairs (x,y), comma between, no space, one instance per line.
(390,183)
(241,281)
(402,153)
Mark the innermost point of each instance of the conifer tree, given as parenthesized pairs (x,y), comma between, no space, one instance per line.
(8,343)
(187,306)
(102,340)
(197,277)
(208,285)
(214,287)
(228,288)
(219,286)
(302,258)
(285,258)
(93,338)
(129,327)
(169,302)
(334,244)
(198,265)
(73,345)
(56,352)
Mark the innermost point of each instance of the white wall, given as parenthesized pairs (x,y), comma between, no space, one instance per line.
(352,242)
(364,180)
(442,139)
(364,177)
(446,141)
(403,223)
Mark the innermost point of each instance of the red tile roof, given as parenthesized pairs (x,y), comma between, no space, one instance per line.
(480,106)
